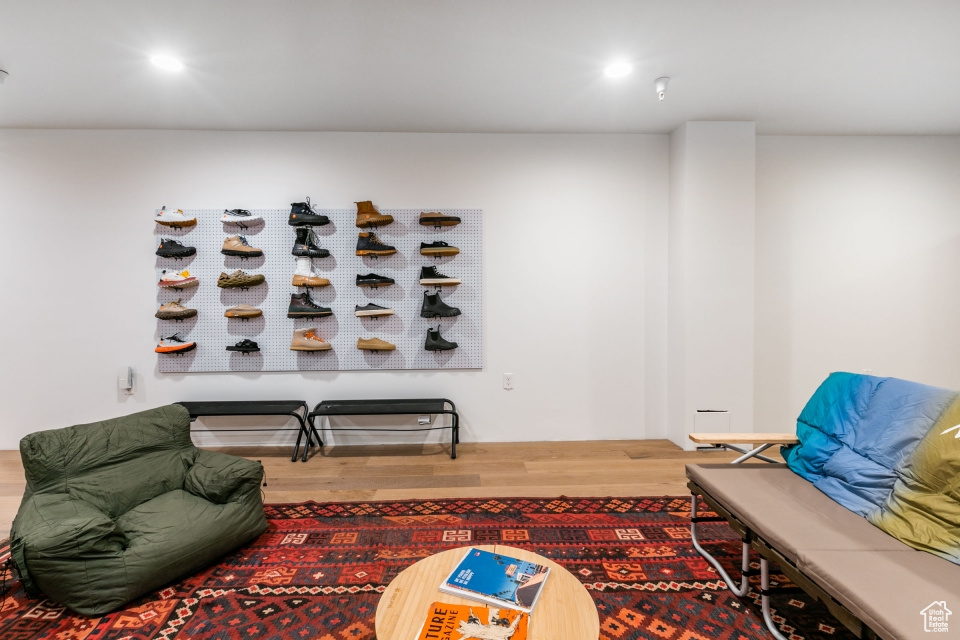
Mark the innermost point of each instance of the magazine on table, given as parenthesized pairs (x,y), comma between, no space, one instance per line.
(471,621)
(497,579)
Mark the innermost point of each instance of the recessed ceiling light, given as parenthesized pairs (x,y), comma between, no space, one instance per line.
(618,69)
(167,63)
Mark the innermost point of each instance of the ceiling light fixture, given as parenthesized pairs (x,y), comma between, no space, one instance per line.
(167,63)
(3,75)
(660,86)
(618,69)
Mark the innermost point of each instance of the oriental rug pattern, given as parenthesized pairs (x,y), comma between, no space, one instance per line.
(319,570)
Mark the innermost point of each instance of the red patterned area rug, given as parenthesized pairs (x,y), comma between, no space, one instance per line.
(319,570)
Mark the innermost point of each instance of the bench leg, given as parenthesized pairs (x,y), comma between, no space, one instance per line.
(744,562)
(765,599)
(296,447)
(454,436)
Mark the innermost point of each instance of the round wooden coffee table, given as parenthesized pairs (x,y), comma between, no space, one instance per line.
(565,609)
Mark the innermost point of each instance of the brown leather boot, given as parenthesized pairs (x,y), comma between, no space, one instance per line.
(368,216)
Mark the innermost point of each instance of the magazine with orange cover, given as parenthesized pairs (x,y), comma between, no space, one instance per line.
(473,622)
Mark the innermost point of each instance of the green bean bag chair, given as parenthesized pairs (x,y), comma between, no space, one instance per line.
(118,508)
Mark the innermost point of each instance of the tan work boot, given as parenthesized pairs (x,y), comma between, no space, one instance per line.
(237,246)
(368,216)
(308,340)
(374,344)
(243,311)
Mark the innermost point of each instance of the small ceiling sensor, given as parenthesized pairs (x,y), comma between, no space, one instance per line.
(660,86)
(3,75)
(167,63)
(618,69)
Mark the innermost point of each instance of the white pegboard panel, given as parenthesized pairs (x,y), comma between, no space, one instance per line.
(273,331)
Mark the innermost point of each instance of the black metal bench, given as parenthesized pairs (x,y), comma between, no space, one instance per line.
(259,408)
(407,406)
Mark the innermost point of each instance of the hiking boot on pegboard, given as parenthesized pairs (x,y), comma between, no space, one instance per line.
(303,215)
(373,280)
(238,246)
(305,247)
(301,306)
(308,340)
(368,216)
(174,311)
(436,342)
(173,249)
(368,244)
(430,276)
(434,307)
(304,275)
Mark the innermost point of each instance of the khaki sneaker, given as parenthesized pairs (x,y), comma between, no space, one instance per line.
(308,340)
(174,311)
(374,344)
(243,311)
(368,216)
(437,219)
(238,246)
(239,279)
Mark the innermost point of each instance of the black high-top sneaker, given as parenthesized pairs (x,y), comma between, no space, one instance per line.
(434,307)
(436,342)
(303,215)
(368,244)
(373,280)
(430,275)
(304,247)
(173,249)
(301,306)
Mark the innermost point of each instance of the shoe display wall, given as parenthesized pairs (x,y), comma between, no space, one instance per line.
(344,311)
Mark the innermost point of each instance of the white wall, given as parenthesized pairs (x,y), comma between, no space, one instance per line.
(858,264)
(574,235)
(711,280)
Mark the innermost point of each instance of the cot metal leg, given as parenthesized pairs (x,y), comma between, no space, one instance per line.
(744,562)
(765,599)
(751,453)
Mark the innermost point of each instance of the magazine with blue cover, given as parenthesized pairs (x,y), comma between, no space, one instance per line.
(497,579)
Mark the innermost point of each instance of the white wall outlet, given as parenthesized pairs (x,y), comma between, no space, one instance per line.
(423,420)
(125,379)
(508,381)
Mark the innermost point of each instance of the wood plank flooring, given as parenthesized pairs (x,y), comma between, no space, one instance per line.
(404,472)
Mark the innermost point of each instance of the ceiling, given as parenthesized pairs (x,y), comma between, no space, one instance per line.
(800,67)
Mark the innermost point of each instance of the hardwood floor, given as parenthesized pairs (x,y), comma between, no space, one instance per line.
(536,469)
